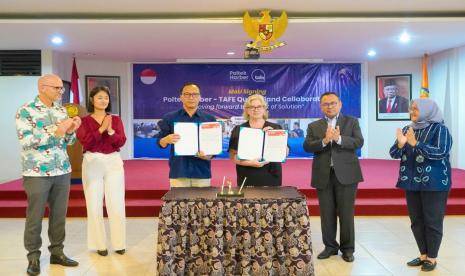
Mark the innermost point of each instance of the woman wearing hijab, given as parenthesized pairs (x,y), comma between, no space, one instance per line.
(425,175)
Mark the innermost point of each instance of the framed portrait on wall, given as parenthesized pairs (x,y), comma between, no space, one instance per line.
(393,96)
(65,98)
(113,84)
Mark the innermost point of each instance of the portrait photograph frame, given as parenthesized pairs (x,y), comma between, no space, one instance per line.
(113,84)
(66,97)
(393,97)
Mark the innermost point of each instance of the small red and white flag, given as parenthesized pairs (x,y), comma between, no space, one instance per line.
(74,95)
(148,76)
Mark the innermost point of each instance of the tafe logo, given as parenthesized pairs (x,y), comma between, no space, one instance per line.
(258,75)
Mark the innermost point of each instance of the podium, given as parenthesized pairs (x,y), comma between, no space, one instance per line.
(75,150)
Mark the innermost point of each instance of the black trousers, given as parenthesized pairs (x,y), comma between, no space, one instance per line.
(337,200)
(426,210)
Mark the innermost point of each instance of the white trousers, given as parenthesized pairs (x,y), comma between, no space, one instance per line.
(103,175)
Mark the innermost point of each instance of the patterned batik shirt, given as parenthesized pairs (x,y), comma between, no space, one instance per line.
(43,154)
(425,167)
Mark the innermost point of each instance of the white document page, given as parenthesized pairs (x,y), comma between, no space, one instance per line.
(188,144)
(250,143)
(211,138)
(275,145)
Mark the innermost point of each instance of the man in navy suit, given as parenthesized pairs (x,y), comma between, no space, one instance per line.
(392,102)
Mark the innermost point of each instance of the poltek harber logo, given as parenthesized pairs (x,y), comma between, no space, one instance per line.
(238,76)
(258,75)
(148,76)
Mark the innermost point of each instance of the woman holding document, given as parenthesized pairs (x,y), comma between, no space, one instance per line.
(258,172)
(102,135)
(425,174)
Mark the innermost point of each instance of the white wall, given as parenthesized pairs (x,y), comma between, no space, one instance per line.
(459,144)
(61,65)
(382,133)
(14,92)
(447,88)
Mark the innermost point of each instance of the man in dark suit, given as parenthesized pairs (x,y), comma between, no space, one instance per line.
(392,102)
(336,171)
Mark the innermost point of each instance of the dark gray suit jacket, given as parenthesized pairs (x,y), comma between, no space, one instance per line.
(345,160)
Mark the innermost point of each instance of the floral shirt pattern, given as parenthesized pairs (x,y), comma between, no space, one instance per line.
(43,154)
(426,166)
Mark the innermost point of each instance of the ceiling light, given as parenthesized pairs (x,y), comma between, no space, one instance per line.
(404,37)
(371,53)
(57,40)
(230,53)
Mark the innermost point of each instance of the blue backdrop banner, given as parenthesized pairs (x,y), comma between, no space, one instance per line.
(291,90)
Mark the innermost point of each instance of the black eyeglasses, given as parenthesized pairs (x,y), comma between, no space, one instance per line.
(258,107)
(59,89)
(330,104)
(191,95)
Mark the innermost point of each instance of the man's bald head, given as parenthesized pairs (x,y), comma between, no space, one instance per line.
(50,88)
(50,80)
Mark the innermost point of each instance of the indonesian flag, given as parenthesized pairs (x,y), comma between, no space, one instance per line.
(424,91)
(74,96)
(148,76)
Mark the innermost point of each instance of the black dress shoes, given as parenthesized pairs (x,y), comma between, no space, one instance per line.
(348,256)
(428,265)
(33,268)
(62,260)
(415,262)
(325,254)
(102,252)
(121,251)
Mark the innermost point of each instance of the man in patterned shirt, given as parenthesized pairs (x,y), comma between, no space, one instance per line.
(44,130)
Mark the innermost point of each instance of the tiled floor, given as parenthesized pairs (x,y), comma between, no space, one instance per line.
(383,246)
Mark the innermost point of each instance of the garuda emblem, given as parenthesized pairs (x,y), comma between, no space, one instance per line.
(264,31)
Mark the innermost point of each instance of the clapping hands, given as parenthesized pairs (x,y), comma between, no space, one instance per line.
(106,125)
(67,126)
(75,125)
(409,138)
(332,134)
